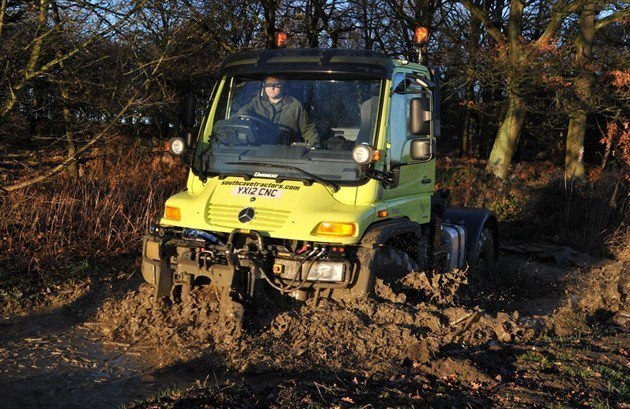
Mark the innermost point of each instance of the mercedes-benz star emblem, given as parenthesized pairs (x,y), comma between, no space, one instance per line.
(246,215)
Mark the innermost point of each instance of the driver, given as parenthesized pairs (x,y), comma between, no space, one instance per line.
(282,110)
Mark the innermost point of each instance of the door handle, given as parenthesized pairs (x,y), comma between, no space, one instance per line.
(425,181)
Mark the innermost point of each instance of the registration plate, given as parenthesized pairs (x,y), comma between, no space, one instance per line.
(270,192)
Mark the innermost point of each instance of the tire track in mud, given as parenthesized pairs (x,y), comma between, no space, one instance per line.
(60,359)
(133,346)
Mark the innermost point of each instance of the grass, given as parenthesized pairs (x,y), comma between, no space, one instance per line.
(544,361)
(617,381)
(229,394)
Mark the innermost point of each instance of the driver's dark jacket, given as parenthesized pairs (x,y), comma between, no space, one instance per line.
(288,114)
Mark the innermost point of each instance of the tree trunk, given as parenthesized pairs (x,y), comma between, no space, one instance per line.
(467,134)
(507,136)
(269,24)
(512,123)
(73,165)
(33,60)
(574,163)
(312,15)
(367,27)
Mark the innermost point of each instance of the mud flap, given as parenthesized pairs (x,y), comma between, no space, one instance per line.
(163,280)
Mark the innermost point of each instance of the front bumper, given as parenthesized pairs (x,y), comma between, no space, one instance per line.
(240,261)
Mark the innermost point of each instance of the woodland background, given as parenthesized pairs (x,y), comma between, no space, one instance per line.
(521,79)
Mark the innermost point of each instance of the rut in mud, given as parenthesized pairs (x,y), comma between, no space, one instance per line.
(416,332)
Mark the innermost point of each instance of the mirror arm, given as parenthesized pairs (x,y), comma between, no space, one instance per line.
(400,165)
(386,178)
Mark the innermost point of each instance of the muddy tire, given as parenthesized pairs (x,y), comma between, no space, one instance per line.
(421,253)
(368,260)
(485,263)
(385,262)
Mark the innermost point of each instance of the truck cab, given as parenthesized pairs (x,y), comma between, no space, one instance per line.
(310,206)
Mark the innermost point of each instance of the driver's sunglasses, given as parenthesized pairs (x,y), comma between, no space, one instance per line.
(273,85)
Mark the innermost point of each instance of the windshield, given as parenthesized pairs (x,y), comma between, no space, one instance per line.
(306,126)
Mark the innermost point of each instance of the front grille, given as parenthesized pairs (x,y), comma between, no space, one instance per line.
(265,219)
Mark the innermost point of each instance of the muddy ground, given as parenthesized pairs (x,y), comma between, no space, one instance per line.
(550,330)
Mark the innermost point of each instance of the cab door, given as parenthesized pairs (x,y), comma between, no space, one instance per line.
(413,182)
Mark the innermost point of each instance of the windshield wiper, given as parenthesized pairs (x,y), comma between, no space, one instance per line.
(333,186)
(246,176)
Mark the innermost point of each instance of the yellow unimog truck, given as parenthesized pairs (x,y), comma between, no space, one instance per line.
(323,218)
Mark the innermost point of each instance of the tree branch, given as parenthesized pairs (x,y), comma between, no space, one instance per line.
(482,16)
(3,10)
(71,158)
(558,15)
(619,15)
(30,72)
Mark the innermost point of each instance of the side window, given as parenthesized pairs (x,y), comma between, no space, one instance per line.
(406,87)
(410,88)
(397,119)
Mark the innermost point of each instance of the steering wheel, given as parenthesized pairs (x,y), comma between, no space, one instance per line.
(255,119)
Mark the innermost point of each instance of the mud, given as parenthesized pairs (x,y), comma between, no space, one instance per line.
(179,331)
(424,339)
(373,333)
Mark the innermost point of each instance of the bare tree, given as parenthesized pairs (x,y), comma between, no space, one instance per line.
(40,62)
(584,81)
(514,53)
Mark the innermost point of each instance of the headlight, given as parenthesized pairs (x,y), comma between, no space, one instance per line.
(176,146)
(364,154)
(326,271)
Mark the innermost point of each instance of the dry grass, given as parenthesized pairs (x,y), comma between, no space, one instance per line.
(58,232)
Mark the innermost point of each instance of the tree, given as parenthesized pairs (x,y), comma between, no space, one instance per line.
(584,81)
(39,47)
(514,53)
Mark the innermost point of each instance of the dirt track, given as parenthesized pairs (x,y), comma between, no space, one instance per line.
(422,340)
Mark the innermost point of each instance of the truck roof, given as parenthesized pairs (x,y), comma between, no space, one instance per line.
(355,63)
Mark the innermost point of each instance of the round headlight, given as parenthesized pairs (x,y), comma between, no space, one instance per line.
(176,146)
(362,154)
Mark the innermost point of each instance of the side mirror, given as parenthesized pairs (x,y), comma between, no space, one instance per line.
(420,116)
(421,150)
(187,111)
